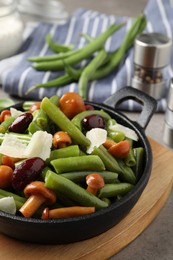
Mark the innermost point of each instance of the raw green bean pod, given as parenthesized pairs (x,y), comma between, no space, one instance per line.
(86,52)
(57,47)
(73,191)
(59,118)
(113,190)
(89,71)
(78,163)
(137,27)
(54,57)
(58,82)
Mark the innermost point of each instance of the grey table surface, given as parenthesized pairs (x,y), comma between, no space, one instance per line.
(156,242)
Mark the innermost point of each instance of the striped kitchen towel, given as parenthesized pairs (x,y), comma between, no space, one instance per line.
(17,79)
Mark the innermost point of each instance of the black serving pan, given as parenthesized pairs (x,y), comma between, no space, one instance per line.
(80,228)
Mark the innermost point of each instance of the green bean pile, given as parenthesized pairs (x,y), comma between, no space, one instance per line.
(100,65)
(67,168)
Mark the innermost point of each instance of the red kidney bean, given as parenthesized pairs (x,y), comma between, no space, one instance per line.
(27,172)
(94,121)
(21,123)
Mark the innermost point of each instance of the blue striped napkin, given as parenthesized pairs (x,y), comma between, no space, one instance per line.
(22,76)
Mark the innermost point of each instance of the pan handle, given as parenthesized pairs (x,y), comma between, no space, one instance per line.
(149,104)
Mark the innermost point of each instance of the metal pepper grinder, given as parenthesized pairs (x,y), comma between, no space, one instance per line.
(168,127)
(151,55)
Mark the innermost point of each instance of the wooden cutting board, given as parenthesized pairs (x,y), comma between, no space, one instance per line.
(112,241)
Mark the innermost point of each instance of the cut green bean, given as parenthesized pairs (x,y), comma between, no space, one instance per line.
(18,199)
(59,118)
(78,176)
(69,151)
(130,158)
(73,191)
(116,136)
(113,190)
(39,122)
(139,156)
(5,124)
(27,104)
(115,165)
(78,163)
(109,161)
(55,100)
(86,52)
(6,102)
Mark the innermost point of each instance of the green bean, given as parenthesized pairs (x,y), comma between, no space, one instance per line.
(116,136)
(109,161)
(6,123)
(59,118)
(73,73)
(115,165)
(39,122)
(73,191)
(116,57)
(55,100)
(58,82)
(57,47)
(6,102)
(87,37)
(78,163)
(86,52)
(78,176)
(56,57)
(115,189)
(139,156)
(77,120)
(69,151)
(18,199)
(130,158)
(27,104)
(89,71)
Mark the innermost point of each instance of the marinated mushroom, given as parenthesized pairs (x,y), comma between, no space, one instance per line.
(61,139)
(95,182)
(37,195)
(66,212)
